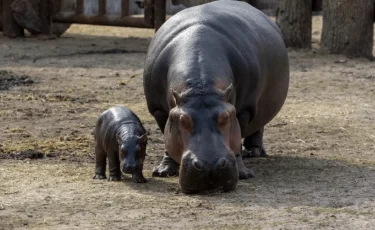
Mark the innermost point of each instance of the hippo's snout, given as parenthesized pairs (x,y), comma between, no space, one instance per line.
(219,165)
(129,167)
(198,175)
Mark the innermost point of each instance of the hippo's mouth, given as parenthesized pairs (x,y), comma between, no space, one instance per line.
(210,188)
(209,180)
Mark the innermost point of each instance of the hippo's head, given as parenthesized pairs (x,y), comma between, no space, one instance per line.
(132,152)
(202,134)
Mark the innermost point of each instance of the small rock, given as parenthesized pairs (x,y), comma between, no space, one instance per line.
(341,61)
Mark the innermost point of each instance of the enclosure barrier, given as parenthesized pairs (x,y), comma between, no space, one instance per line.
(93,12)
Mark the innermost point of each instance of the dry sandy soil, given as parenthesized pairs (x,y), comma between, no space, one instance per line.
(320,173)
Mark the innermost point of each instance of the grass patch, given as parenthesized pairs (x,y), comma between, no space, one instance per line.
(76,144)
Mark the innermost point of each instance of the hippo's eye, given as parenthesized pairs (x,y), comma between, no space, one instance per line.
(223,119)
(186,122)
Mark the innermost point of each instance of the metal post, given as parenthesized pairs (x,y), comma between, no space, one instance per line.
(160,13)
(10,27)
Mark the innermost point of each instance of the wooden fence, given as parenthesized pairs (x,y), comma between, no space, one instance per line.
(95,12)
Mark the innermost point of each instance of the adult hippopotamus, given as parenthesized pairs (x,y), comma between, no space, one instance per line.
(214,73)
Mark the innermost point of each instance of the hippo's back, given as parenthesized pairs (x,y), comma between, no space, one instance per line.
(109,122)
(225,33)
(235,21)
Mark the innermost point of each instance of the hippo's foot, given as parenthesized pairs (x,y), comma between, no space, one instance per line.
(99,176)
(254,152)
(244,173)
(167,167)
(114,178)
(138,178)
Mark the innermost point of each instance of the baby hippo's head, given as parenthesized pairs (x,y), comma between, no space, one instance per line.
(132,152)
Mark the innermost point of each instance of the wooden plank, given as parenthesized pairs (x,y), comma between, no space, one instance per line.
(149,13)
(102,7)
(160,13)
(10,28)
(45,17)
(56,5)
(67,17)
(125,5)
(1,18)
(79,7)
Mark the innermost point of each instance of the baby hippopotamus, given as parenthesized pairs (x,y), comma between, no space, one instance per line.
(120,136)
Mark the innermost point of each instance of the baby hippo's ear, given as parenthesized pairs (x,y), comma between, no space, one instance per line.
(143,138)
(118,138)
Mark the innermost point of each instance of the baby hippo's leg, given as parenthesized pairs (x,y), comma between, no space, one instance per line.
(137,176)
(100,163)
(114,167)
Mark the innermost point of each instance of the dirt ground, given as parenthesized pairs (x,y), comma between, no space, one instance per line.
(320,173)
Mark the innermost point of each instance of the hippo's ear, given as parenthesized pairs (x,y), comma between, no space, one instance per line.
(176,100)
(228,92)
(143,139)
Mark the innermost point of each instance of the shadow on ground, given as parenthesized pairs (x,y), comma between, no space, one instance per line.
(288,181)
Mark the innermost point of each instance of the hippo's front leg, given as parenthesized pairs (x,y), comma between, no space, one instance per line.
(244,173)
(114,167)
(253,145)
(167,167)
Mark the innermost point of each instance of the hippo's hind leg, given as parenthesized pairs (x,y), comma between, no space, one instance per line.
(253,145)
(114,167)
(100,163)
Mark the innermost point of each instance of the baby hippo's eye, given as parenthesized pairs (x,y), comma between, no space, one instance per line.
(123,150)
(223,119)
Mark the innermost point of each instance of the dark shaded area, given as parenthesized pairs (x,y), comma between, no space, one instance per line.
(27,154)
(9,79)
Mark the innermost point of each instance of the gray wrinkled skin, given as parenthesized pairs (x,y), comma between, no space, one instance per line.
(120,137)
(223,57)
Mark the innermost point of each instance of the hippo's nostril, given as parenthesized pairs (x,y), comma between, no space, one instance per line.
(222,162)
(198,164)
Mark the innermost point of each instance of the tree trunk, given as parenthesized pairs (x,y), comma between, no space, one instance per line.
(348,27)
(295,20)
